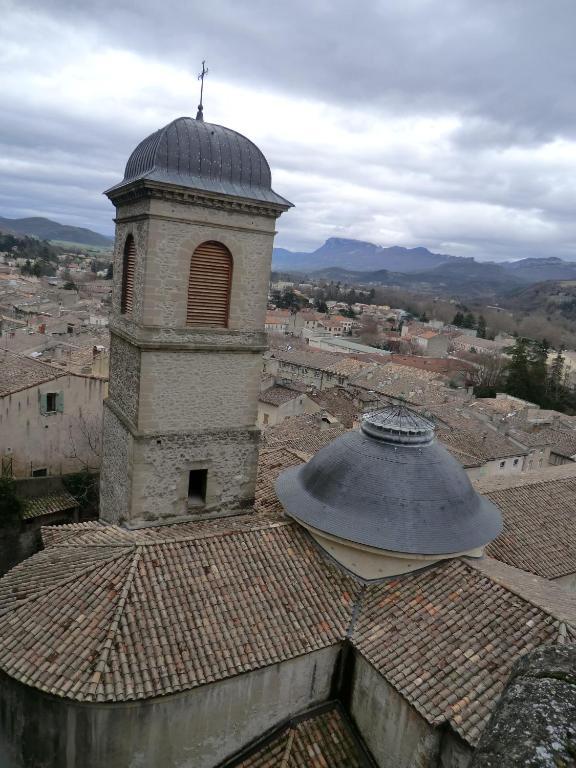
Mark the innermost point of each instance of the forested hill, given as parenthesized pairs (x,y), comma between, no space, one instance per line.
(46,229)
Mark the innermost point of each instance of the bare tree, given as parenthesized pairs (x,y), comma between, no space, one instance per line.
(85,434)
(488,371)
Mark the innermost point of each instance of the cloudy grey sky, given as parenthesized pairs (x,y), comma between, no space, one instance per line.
(444,123)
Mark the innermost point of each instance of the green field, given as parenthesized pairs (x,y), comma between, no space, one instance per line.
(93,250)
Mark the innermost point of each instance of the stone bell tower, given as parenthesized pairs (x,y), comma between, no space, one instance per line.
(195,224)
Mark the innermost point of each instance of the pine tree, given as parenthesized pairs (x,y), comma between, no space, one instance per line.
(468,321)
(518,379)
(481,327)
(458,320)
(538,372)
(555,379)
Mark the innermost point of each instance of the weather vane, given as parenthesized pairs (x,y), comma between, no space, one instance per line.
(201,76)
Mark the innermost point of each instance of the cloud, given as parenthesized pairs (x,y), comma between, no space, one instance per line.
(433,122)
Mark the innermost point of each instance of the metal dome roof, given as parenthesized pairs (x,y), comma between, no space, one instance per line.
(392,486)
(204,156)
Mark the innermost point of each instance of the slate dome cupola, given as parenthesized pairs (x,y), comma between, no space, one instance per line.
(390,487)
(204,156)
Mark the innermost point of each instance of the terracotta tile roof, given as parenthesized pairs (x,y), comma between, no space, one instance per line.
(277,318)
(400,381)
(321,739)
(551,598)
(561,441)
(483,444)
(539,532)
(270,463)
(349,366)
(440,365)
(106,614)
(18,372)
(49,504)
(278,395)
(338,403)
(446,639)
(467,461)
(322,361)
(57,534)
(305,434)
(529,439)
(113,615)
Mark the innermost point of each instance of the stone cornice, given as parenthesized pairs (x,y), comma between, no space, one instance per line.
(193,222)
(186,339)
(146,189)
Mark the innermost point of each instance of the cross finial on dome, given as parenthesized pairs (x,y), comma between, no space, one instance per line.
(201,76)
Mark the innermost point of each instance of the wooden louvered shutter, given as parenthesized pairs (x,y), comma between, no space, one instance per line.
(128,266)
(209,285)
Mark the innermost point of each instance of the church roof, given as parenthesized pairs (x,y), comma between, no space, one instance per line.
(203,156)
(390,485)
(322,737)
(106,614)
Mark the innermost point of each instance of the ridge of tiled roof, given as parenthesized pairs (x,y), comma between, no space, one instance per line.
(322,737)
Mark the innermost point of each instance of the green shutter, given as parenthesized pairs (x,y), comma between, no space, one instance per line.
(43,402)
(60,402)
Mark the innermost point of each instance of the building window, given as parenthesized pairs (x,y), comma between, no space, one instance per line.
(51,402)
(128,266)
(209,286)
(515,462)
(40,472)
(502,464)
(265,418)
(197,481)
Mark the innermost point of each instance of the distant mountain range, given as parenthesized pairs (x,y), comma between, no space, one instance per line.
(46,229)
(358,255)
(358,262)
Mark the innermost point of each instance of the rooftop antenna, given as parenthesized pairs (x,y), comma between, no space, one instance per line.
(201,76)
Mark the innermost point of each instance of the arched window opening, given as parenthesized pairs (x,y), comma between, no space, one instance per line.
(128,266)
(209,285)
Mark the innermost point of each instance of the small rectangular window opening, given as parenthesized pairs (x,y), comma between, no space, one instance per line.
(51,402)
(40,472)
(197,480)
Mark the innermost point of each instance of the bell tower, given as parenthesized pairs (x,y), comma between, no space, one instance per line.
(195,224)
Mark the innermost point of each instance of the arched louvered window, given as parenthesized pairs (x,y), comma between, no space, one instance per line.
(209,285)
(128,265)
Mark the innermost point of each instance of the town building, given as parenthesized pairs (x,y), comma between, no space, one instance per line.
(278,402)
(50,419)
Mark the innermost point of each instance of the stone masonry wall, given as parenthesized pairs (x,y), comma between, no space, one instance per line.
(115,469)
(160,473)
(124,387)
(198,390)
